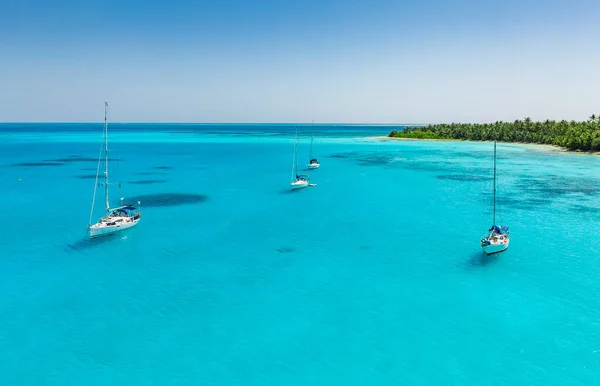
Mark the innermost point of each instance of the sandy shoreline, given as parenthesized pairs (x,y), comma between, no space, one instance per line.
(538,145)
(385,137)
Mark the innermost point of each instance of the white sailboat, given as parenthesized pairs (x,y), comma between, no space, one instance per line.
(115,219)
(313,163)
(498,239)
(298,181)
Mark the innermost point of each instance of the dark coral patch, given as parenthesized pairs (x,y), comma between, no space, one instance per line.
(36,164)
(169,199)
(147,182)
(462,177)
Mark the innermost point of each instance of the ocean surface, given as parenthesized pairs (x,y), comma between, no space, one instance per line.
(374,276)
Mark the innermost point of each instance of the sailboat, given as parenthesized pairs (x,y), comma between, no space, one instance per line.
(313,163)
(498,238)
(115,219)
(298,181)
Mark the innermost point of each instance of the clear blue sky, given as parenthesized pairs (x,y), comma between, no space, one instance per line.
(298,61)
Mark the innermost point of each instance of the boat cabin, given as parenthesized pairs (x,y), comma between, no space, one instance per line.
(124,211)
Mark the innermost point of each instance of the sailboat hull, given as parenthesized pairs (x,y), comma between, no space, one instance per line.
(495,247)
(313,166)
(296,185)
(114,225)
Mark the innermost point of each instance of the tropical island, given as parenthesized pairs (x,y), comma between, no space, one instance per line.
(573,135)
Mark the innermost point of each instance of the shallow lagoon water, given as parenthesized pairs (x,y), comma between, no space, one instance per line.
(374,276)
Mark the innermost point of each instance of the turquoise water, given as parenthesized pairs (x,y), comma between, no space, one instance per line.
(374,276)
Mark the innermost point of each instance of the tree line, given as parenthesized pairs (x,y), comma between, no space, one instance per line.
(573,135)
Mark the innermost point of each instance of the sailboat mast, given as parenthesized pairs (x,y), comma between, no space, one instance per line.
(296,154)
(106,156)
(311,147)
(294,158)
(494,223)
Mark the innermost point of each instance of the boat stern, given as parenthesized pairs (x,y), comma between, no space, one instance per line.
(490,247)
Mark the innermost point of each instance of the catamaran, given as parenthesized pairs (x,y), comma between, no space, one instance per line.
(298,181)
(498,238)
(115,219)
(313,163)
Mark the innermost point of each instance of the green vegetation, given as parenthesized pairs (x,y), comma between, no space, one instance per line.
(584,136)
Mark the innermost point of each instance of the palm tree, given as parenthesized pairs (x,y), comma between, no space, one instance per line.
(593,118)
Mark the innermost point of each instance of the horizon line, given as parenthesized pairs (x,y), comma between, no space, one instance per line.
(213,123)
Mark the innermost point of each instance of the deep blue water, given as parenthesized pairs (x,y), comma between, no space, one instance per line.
(374,276)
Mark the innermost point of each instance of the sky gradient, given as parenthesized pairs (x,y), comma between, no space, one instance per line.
(299,61)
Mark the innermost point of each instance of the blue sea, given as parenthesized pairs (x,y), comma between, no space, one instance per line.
(373,276)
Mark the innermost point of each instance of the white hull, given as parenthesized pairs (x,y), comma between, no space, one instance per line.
(496,247)
(313,166)
(113,225)
(299,185)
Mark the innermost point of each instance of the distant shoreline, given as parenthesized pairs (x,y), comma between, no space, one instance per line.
(555,148)
(385,137)
(579,137)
